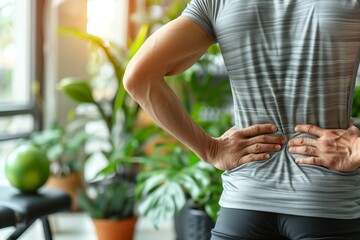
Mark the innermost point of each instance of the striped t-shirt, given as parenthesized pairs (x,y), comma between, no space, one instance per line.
(289,62)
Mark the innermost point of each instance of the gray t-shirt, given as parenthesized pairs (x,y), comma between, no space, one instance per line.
(289,62)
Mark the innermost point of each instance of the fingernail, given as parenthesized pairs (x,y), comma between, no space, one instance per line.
(273,128)
(291,149)
(296,128)
(278,147)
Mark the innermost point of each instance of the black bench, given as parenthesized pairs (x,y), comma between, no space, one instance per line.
(7,217)
(28,207)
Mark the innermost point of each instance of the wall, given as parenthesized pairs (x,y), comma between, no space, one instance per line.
(64,55)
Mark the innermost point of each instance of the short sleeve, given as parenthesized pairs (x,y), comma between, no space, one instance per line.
(200,12)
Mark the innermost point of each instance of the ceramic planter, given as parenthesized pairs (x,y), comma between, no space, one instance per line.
(70,184)
(193,224)
(107,229)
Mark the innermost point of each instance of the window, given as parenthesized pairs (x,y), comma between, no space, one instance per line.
(18,62)
(20,70)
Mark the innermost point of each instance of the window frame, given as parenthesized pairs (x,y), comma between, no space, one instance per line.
(36,39)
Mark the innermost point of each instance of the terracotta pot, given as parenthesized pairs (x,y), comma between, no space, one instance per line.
(108,229)
(70,184)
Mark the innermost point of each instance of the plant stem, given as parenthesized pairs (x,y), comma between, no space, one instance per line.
(107,120)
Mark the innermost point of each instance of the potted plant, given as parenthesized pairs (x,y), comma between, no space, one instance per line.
(64,147)
(125,139)
(123,136)
(177,184)
(111,207)
(126,135)
(200,214)
(163,187)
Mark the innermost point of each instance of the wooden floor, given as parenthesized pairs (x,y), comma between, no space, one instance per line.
(78,226)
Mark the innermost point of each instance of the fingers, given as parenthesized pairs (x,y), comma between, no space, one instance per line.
(303,145)
(304,150)
(331,164)
(245,159)
(261,148)
(256,152)
(255,157)
(257,130)
(267,139)
(310,129)
(311,160)
(302,141)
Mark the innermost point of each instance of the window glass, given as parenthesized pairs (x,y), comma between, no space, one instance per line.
(106,19)
(14,52)
(16,124)
(5,148)
(17,65)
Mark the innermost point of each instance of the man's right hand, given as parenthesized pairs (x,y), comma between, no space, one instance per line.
(236,147)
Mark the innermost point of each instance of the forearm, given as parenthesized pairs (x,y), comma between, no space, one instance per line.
(169,51)
(161,103)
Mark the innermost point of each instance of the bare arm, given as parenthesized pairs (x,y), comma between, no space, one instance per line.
(169,51)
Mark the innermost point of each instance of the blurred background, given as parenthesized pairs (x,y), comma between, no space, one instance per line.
(61,69)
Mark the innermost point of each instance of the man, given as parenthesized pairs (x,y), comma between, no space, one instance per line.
(292,159)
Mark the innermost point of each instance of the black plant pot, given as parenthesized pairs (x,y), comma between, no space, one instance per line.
(180,223)
(198,225)
(193,224)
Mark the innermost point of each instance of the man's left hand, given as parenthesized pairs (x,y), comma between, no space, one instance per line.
(334,148)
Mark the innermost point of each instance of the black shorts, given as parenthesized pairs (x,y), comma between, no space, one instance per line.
(247,225)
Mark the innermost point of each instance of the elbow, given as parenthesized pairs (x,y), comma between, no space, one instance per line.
(139,78)
(135,81)
(130,79)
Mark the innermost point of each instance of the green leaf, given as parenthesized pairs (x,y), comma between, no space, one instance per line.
(190,184)
(163,203)
(107,170)
(139,40)
(177,195)
(153,182)
(356,102)
(77,90)
(46,137)
(88,205)
(212,210)
(77,141)
(193,159)
(55,151)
